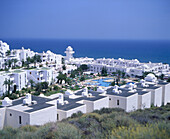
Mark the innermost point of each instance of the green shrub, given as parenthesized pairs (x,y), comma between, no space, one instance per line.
(29,128)
(67,131)
(156,131)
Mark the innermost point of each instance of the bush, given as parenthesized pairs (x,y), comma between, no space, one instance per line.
(150,131)
(67,131)
(78,114)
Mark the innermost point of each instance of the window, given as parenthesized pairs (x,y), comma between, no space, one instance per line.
(10,114)
(110,99)
(57,117)
(37,78)
(30,72)
(117,102)
(20,120)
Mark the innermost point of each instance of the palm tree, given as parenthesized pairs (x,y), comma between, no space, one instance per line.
(118,72)
(15,61)
(8,53)
(61,77)
(32,83)
(14,52)
(123,74)
(36,59)
(8,84)
(9,63)
(6,64)
(38,87)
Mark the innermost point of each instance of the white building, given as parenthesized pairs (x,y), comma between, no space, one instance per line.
(42,74)
(40,110)
(4,47)
(22,54)
(131,67)
(69,53)
(18,77)
(31,110)
(51,58)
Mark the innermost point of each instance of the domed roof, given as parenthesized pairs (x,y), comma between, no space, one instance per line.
(69,48)
(49,52)
(41,95)
(6,99)
(150,77)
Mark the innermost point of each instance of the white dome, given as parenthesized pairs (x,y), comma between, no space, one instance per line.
(69,48)
(150,77)
(6,99)
(41,95)
(49,52)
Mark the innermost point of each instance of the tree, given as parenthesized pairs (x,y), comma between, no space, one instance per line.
(112,83)
(168,79)
(38,87)
(36,59)
(68,81)
(61,77)
(8,84)
(104,71)
(123,74)
(62,60)
(118,76)
(32,83)
(84,67)
(8,53)
(162,76)
(6,64)
(72,75)
(82,78)
(64,67)
(9,63)
(114,73)
(44,85)
(15,61)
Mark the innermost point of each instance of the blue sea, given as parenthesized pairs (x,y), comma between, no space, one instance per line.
(144,51)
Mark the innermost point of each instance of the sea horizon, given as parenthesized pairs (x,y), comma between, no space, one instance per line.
(144,50)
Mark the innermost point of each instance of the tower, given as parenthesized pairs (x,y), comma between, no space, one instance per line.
(69,53)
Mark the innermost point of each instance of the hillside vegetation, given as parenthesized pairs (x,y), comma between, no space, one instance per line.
(105,123)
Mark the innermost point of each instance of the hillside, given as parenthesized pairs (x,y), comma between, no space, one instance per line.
(106,123)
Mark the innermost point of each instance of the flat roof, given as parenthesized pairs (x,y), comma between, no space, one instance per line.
(149,87)
(41,104)
(163,83)
(124,93)
(69,106)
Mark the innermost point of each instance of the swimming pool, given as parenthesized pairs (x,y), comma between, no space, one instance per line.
(101,82)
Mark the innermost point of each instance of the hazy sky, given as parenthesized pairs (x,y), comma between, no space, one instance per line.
(85,19)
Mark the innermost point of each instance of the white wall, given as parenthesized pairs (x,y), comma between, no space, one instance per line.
(43,116)
(61,114)
(13,120)
(166,94)
(156,97)
(144,101)
(89,106)
(65,114)
(113,102)
(132,103)
(2,117)
(101,103)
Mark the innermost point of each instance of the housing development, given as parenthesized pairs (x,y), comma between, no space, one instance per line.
(37,88)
